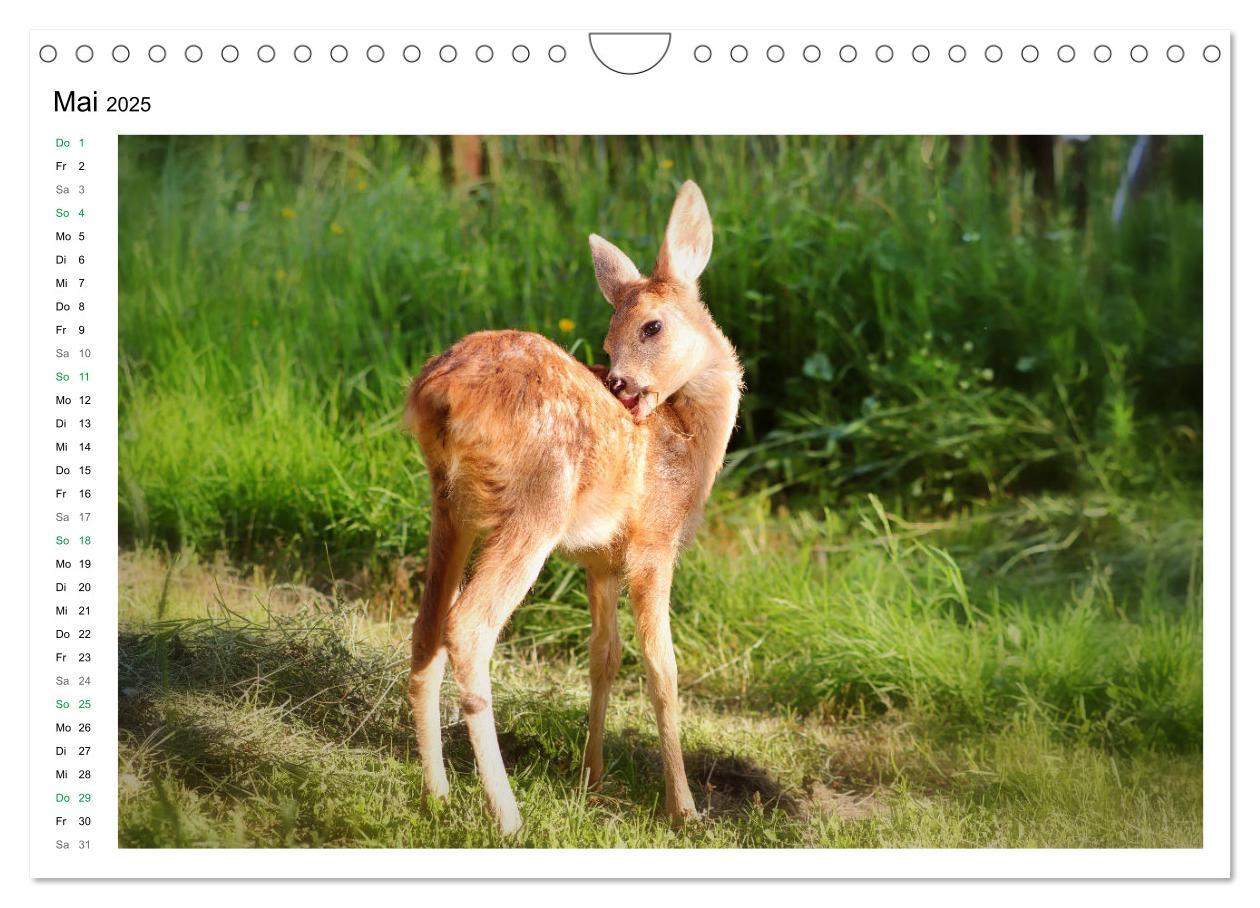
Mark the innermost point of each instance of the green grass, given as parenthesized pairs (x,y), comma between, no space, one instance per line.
(948,592)
(872,699)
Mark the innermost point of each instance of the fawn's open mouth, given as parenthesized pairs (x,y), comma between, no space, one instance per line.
(640,405)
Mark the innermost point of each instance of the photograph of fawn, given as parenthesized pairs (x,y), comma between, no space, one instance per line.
(660,491)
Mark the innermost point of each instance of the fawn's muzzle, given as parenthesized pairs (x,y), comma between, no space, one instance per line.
(628,394)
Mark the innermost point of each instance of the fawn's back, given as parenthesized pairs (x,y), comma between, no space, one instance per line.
(511,424)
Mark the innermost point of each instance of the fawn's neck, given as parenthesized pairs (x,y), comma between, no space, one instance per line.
(707,406)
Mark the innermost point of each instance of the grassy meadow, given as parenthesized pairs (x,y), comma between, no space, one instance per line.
(948,592)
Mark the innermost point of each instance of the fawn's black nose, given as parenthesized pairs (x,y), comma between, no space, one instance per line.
(616,384)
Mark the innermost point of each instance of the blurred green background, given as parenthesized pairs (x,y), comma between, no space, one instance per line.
(963,497)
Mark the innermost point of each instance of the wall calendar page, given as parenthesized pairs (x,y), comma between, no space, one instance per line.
(678,451)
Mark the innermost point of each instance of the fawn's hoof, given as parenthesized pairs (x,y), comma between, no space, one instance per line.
(438,790)
(510,822)
(681,814)
(591,777)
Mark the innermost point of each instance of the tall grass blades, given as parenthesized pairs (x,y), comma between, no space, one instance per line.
(915,316)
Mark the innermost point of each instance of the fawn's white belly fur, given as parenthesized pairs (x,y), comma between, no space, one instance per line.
(598,518)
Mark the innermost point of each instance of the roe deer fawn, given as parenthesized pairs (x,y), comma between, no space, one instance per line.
(527,450)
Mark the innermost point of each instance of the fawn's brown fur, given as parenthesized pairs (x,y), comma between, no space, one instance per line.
(529,452)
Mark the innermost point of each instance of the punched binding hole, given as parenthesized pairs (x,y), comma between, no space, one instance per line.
(1176,53)
(629,53)
(703,53)
(739,53)
(883,53)
(266,53)
(556,53)
(485,53)
(1138,53)
(774,53)
(957,53)
(192,53)
(1102,53)
(302,53)
(121,53)
(229,53)
(1211,53)
(375,53)
(848,53)
(411,53)
(520,53)
(993,53)
(1029,53)
(920,53)
(812,53)
(84,53)
(48,53)
(1067,53)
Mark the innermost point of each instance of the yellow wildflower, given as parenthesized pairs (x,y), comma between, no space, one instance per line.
(336,229)
(667,164)
(288,213)
(567,325)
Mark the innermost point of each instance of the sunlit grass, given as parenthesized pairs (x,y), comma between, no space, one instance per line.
(852,702)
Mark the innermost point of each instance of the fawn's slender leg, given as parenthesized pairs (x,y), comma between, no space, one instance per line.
(649,581)
(602,589)
(506,568)
(448,551)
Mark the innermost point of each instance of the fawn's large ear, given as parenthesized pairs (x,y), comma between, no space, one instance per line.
(688,238)
(613,268)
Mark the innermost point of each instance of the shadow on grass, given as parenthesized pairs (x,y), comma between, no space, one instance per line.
(722,783)
(221,704)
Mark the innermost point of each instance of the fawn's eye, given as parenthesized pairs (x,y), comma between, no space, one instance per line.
(652,328)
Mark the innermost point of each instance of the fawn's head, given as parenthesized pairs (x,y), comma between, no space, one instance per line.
(661,335)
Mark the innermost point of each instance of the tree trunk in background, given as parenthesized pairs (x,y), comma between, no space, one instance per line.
(467,158)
